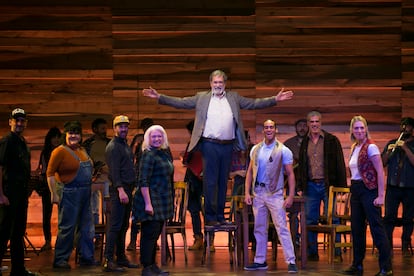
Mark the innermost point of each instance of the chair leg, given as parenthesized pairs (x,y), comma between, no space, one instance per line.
(172,247)
(206,252)
(185,245)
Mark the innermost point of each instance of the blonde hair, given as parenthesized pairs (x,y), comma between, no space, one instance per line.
(358,118)
(146,143)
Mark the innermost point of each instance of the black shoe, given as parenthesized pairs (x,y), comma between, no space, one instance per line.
(384,272)
(110,266)
(313,257)
(353,270)
(25,273)
(126,263)
(83,262)
(62,265)
(158,270)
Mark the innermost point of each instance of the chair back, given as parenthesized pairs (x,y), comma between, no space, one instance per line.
(338,204)
(180,203)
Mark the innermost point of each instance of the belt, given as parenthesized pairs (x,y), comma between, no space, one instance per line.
(317,180)
(357,181)
(217,141)
(259,184)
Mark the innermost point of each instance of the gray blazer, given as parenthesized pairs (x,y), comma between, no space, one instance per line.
(201,101)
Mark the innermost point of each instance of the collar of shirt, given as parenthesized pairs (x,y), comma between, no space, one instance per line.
(219,95)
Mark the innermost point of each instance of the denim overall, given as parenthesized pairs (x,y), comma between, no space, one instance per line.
(75,214)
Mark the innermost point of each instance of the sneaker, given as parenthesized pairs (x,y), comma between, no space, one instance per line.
(256,266)
(353,270)
(292,268)
(63,265)
(384,273)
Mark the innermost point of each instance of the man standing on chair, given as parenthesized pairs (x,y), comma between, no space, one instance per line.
(399,159)
(14,178)
(218,129)
(270,159)
(321,164)
(120,160)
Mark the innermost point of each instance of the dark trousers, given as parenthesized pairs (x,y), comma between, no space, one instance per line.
(363,210)
(118,225)
(42,190)
(194,200)
(150,232)
(393,198)
(13,220)
(216,169)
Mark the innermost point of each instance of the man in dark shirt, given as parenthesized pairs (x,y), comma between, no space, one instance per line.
(14,177)
(120,160)
(398,156)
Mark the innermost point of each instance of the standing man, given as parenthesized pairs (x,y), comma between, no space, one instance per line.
(95,147)
(218,129)
(120,160)
(321,164)
(14,177)
(399,159)
(269,160)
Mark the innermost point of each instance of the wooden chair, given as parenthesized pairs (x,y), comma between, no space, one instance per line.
(338,207)
(100,228)
(177,224)
(232,230)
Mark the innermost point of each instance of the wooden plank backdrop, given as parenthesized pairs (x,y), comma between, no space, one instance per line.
(85,59)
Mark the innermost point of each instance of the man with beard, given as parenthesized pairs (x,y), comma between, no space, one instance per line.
(120,160)
(14,177)
(218,130)
(398,156)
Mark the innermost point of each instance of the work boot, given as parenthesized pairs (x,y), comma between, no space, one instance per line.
(212,248)
(198,243)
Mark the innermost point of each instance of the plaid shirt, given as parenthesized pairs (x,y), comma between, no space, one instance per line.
(155,172)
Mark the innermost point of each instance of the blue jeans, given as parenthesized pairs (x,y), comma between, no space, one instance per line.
(75,215)
(363,209)
(315,194)
(118,225)
(216,169)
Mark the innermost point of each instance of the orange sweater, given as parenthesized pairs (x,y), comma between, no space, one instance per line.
(63,165)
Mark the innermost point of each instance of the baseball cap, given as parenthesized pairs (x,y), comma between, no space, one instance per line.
(120,119)
(18,113)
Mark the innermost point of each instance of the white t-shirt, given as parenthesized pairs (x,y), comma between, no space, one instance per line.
(353,160)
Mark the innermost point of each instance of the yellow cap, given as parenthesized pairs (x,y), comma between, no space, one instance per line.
(120,119)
